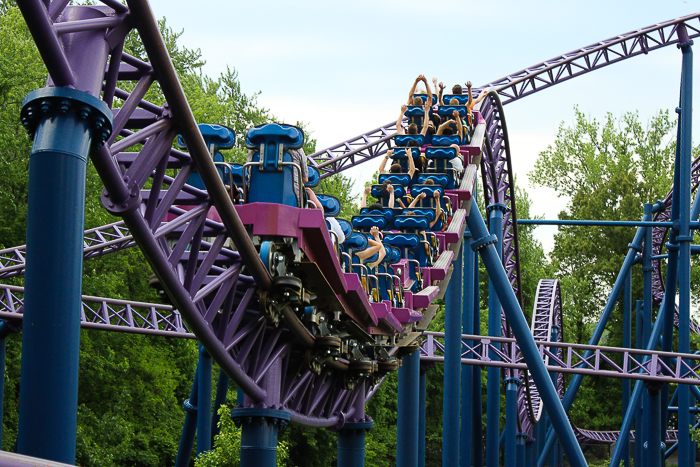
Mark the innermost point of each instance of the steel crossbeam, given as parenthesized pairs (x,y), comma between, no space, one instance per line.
(98,241)
(592,57)
(612,362)
(108,314)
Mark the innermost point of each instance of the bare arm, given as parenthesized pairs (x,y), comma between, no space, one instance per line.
(313,198)
(391,198)
(426,116)
(441,128)
(399,127)
(435,85)
(479,99)
(415,200)
(430,92)
(382,166)
(439,99)
(363,202)
(413,90)
(438,209)
(470,102)
(460,130)
(411,163)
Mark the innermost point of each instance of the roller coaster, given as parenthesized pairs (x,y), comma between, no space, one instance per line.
(288,307)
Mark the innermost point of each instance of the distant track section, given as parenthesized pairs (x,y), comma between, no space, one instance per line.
(523,83)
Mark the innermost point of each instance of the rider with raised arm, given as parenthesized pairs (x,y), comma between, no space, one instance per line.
(411,100)
(472,102)
(413,127)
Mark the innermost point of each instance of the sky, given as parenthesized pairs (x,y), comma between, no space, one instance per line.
(344,68)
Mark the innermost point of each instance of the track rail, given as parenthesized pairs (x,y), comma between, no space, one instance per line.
(98,241)
(108,314)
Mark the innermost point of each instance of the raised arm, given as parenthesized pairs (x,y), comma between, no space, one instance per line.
(363,202)
(460,127)
(470,102)
(426,116)
(479,99)
(430,91)
(439,99)
(391,203)
(382,166)
(411,163)
(435,84)
(438,208)
(413,89)
(415,200)
(445,125)
(399,126)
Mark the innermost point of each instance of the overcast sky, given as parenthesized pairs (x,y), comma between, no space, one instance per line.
(345,68)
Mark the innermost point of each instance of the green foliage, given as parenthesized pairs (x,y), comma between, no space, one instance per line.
(341,187)
(21,71)
(227,446)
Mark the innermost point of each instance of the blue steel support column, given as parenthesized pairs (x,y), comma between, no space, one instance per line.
(351,437)
(520,458)
(626,343)
(521,331)
(650,431)
(638,425)
(204,402)
(5,330)
(530,452)
(66,124)
(421,416)
(653,415)
(452,366)
(184,451)
(466,416)
(511,429)
(407,417)
(477,413)
(493,379)
(221,392)
(260,426)
(672,279)
(686,448)
(540,435)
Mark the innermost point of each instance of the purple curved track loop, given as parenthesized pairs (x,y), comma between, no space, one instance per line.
(546,313)
(660,236)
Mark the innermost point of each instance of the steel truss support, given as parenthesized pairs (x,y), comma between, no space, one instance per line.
(351,438)
(260,426)
(521,331)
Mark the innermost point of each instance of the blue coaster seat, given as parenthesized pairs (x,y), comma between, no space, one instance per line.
(271,177)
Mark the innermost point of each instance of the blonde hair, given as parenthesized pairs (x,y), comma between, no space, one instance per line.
(454,101)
